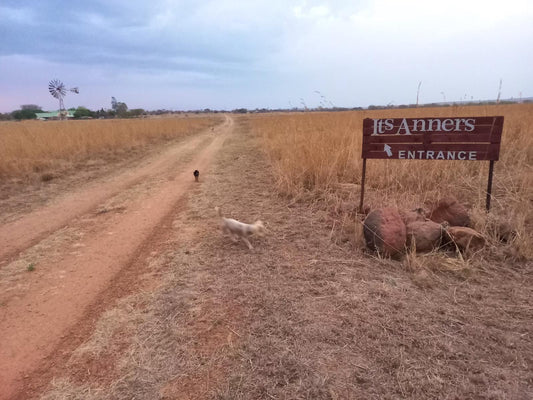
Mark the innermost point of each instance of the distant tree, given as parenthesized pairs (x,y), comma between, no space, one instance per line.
(136,112)
(122,109)
(83,112)
(24,114)
(101,113)
(33,107)
(114,104)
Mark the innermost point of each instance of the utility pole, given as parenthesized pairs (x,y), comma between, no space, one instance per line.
(418,92)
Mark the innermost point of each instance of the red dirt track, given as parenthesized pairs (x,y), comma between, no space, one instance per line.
(39,308)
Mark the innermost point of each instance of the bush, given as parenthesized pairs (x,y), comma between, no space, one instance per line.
(24,114)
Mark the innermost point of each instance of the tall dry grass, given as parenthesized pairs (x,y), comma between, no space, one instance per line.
(316,153)
(42,145)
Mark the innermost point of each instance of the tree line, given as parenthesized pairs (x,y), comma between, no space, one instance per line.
(118,109)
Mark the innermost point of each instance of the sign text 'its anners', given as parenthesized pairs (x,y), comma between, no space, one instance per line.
(455,138)
(423,125)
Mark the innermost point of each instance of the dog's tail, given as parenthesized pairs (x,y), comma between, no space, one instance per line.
(219,213)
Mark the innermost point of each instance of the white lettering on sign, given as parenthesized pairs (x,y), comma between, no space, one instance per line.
(378,125)
(436,155)
(423,125)
(405,126)
(447,125)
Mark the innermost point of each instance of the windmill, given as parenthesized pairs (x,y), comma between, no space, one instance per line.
(58,90)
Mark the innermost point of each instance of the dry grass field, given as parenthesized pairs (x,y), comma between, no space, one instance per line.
(43,147)
(318,156)
(300,316)
(308,313)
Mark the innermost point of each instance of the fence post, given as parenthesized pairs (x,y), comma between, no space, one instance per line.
(489,185)
(362,186)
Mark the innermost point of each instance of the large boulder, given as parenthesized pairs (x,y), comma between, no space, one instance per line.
(424,235)
(466,239)
(385,231)
(417,214)
(451,211)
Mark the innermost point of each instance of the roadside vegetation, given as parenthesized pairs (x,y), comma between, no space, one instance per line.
(317,157)
(42,147)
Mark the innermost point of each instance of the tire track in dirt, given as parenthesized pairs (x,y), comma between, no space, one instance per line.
(31,228)
(35,323)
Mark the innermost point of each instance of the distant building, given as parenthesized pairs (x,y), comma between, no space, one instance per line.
(44,116)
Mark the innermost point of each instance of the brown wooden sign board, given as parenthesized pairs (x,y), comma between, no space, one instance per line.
(453,138)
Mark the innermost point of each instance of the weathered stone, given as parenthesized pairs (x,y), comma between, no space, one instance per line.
(411,216)
(424,235)
(466,238)
(450,210)
(384,231)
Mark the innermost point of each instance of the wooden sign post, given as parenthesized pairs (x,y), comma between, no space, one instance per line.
(457,138)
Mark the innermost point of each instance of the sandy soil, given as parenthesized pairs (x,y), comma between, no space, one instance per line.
(141,297)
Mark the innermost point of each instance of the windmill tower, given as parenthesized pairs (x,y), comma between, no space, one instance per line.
(58,90)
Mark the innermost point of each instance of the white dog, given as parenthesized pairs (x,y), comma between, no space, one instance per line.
(239,230)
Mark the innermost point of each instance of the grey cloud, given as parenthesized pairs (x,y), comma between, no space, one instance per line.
(123,35)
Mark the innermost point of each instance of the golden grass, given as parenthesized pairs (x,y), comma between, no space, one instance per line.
(318,153)
(41,145)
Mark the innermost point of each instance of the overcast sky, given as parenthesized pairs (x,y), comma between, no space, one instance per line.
(226,54)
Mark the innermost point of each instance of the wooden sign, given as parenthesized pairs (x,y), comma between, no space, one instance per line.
(454,138)
(465,138)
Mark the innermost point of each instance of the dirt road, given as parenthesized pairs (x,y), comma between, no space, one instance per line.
(78,244)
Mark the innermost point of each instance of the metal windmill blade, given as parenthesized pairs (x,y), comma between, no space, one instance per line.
(57,88)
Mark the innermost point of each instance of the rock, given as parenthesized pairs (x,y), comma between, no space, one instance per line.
(411,216)
(424,235)
(385,231)
(465,238)
(450,210)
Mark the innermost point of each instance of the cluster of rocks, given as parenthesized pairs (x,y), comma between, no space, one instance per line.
(391,231)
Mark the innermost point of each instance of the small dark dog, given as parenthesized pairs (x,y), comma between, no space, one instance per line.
(196,174)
